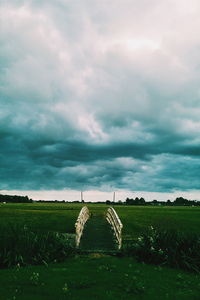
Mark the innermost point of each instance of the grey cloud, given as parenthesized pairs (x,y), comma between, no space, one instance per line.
(99,95)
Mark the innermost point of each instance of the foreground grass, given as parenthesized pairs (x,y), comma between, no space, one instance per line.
(98,277)
(22,246)
(165,247)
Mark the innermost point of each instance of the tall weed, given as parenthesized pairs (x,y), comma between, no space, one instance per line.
(167,247)
(22,246)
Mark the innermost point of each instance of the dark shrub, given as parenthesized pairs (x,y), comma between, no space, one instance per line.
(166,247)
(24,246)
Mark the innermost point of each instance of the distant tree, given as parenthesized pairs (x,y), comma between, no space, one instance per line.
(135,201)
(155,202)
(108,202)
(181,201)
(15,199)
(142,201)
(129,201)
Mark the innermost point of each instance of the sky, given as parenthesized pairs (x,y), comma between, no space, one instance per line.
(100,96)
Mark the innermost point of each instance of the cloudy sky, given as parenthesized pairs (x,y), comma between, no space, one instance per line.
(100,95)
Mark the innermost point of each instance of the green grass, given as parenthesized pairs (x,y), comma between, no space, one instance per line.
(98,235)
(40,216)
(61,217)
(137,218)
(96,277)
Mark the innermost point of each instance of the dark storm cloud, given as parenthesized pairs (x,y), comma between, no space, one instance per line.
(100,96)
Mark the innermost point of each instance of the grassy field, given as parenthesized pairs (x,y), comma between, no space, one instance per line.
(62,217)
(40,216)
(98,276)
(136,218)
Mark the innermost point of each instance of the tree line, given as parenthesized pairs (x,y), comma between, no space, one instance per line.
(14,199)
(179,201)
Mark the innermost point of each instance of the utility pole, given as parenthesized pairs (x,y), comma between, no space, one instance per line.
(114,197)
(81,196)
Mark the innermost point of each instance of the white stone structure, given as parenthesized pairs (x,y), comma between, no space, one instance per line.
(116,225)
(80,223)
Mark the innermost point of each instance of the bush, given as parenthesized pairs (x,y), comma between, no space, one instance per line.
(22,246)
(172,248)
